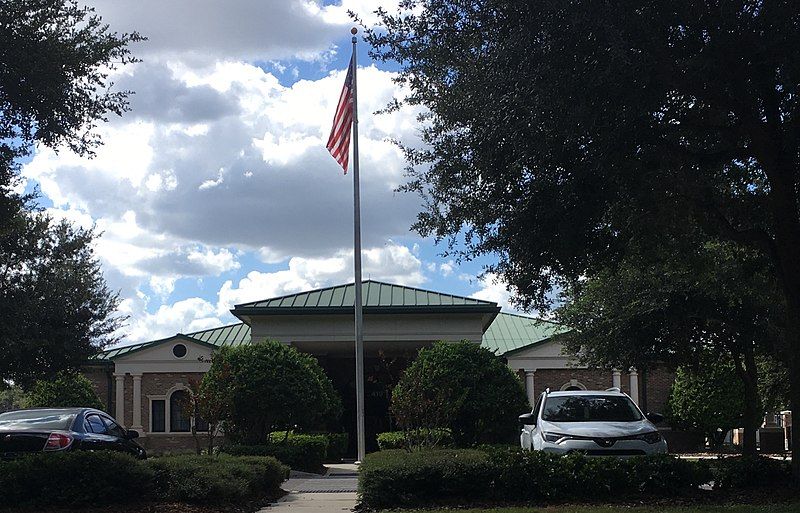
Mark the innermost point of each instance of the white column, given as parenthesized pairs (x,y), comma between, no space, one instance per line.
(120,398)
(616,379)
(137,403)
(529,386)
(634,385)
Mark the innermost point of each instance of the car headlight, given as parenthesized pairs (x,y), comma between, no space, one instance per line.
(652,437)
(555,438)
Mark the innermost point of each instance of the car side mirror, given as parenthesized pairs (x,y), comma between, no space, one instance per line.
(655,418)
(527,419)
(131,434)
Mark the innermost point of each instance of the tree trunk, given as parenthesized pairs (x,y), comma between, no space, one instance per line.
(783,203)
(752,419)
(792,354)
(794,399)
(744,360)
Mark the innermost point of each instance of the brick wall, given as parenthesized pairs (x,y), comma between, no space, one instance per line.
(99,378)
(159,384)
(659,381)
(173,444)
(155,384)
(554,379)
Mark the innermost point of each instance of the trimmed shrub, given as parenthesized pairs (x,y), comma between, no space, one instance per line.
(449,385)
(337,446)
(220,479)
(74,479)
(397,478)
(270,386)
(83,478)
(409,439)
(462,477)
(744,472)
(68,389)
(335,443)
(708,399)
(303,454)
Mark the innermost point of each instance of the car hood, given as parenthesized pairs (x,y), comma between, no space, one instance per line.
(599,429)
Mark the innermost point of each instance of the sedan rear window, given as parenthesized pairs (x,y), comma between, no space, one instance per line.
(590,408)
(34,420)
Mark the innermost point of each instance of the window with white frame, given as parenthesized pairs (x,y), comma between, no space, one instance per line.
(171,413)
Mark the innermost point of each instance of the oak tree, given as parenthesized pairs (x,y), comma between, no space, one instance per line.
(558,132)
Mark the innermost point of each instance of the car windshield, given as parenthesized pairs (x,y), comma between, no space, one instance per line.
(590,408)
(36,419)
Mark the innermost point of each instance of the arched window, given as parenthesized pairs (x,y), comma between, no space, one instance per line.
(180,415)
(573,385)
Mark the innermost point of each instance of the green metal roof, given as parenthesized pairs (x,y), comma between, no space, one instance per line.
(231,335)
(506,333)
(510,332)
(375,294)
(110,354)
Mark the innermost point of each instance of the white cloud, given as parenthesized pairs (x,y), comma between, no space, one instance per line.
(197,30)
(184,316)
(447,268)
(208,184)
(392,263)
(256,175)
(218,162)
(213,262)
(493,288)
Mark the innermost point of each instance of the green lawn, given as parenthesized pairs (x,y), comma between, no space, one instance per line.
(742,508)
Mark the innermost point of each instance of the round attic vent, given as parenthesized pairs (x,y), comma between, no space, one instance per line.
(179,350)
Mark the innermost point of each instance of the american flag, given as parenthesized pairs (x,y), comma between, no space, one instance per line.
(339,140)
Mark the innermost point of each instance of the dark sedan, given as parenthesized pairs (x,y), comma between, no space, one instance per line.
(64,429)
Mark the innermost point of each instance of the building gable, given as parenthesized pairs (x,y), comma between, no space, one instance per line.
(174,354)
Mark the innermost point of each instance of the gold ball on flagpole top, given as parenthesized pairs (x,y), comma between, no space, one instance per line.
(354,31)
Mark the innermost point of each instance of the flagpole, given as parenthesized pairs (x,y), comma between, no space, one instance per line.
(357,265)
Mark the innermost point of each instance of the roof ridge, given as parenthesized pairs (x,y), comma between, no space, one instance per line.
(352,283)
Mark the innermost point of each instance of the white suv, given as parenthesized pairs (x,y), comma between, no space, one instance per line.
(596,423)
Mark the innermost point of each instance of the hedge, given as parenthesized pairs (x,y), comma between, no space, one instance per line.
(461,477)
(748,472)
(335,443)
(102,478)
(306,456)
(337,446)
(74,478)
(401,439)
(300,451)
(220,479)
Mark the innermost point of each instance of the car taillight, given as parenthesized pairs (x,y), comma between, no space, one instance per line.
(57,441)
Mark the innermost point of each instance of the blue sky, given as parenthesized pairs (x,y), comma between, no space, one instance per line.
(216,188)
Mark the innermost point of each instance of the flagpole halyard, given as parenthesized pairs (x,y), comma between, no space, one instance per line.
(357,267)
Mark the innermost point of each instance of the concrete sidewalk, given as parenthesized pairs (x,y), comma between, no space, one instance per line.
(305,502)
(334,492)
